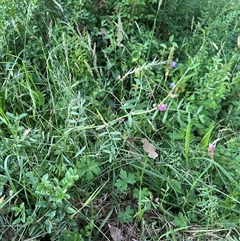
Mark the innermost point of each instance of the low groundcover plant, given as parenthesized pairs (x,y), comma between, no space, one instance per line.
(119,120)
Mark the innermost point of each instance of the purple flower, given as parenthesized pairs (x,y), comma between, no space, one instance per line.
(162,107)
(122,120)
(174,64)
(211,148)
(171,86)
(150,95)
(102,129)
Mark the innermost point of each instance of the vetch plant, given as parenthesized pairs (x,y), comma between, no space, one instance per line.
(174,64)
(211,149)
(171,85)
(83,147)
(162,107)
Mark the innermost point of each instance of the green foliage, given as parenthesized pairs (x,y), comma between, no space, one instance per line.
(71,236)
(83,83)
(124,180)
(126,216)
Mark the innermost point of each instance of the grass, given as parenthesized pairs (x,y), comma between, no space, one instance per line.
(86,153)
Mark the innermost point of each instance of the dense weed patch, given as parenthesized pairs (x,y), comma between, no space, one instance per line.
(119,120)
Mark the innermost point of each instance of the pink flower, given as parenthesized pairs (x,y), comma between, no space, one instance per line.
(162,107)
(122,120)
(211,149)
(150,95)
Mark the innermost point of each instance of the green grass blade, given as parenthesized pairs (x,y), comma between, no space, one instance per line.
(187,143)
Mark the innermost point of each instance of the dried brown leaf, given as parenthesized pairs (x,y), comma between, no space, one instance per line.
(149,148)
(115,233)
